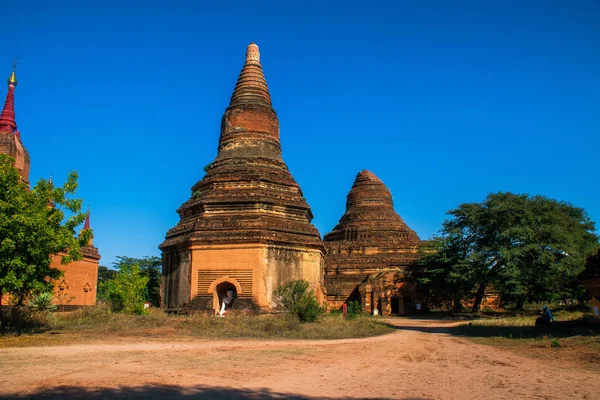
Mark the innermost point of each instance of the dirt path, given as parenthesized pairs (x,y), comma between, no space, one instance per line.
(418,361)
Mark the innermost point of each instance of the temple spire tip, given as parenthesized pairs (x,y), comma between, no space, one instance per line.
(252,53)
(12,79)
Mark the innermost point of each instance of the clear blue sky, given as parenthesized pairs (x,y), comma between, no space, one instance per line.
(445,101)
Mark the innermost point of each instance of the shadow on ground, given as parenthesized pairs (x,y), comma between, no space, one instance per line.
(153,392)
(557,329)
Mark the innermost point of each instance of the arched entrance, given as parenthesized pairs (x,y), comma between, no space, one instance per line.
(219,289)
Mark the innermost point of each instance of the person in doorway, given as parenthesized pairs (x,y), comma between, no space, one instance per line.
(227,300)
(546,317)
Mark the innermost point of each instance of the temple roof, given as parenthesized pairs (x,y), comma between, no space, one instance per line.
(370,216)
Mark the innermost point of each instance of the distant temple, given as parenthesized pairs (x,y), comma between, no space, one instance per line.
(78,285)
(367,253)
(247,226)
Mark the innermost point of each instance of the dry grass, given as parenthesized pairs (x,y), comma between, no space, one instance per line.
(573,336)
(99,324)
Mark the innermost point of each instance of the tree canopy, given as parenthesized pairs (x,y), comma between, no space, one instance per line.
(35,225)
(149,268)
(527,247)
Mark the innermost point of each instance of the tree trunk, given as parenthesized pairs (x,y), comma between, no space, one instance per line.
(479,298)
(520,302)
(1,309)
(457,305)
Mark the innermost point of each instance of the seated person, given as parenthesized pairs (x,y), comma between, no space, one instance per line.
(227,300)
(546,317)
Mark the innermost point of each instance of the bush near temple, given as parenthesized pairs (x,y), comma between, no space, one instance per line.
(300,300)
(126,292)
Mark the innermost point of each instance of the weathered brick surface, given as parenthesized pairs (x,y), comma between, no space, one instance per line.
(78,286)
(248,212)
(369,249)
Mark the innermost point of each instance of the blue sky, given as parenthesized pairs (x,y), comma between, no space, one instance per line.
(444,101)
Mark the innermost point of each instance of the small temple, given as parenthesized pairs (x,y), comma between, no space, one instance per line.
(78,285)
(369,250)
(246,225)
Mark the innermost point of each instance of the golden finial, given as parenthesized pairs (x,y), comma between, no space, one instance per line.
(12,80)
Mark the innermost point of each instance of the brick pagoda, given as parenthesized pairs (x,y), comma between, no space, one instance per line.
(10,137)
(247,224)
(368,251)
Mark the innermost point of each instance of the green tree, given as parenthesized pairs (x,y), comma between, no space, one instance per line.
(105,274)
(126,292)
(527,247)
(444,271)
(35,225)
(150,267)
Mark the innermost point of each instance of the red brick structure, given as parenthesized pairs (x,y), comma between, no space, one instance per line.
(368,251)
(247,224)
(78,285)
(10,138)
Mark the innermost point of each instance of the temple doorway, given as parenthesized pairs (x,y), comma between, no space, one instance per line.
(408,306)
(395,305)
(225,292)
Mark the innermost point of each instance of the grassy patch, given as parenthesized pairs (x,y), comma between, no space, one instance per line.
(567,324)
(99,324)
(573,336)
(285,327)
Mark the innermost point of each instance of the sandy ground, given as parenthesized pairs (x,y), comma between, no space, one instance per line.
(418,361)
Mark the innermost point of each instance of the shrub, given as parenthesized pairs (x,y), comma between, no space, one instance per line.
(42,302)
(299,300)
(354,309)
(19,320)
(125,293)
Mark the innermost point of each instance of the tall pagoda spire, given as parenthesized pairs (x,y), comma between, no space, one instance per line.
(10,138)
(250,128)
(251,87)
(7,118)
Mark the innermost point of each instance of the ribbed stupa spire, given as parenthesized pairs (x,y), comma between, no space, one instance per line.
(248,193)
(7,117)
(251,87)
(370,215)
(250,127)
